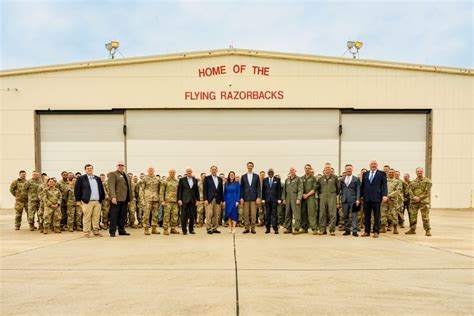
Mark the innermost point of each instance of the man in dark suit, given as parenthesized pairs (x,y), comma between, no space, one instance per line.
(120,192)
(213,192)
(250,196)
(350,199)
(373,192)
(271,195)
(188,199)
(89,194)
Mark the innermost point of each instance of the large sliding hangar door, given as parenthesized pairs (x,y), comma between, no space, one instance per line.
(396,139)
(228,138)
(69,140)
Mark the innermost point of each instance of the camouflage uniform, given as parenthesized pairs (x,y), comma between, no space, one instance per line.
(169,194)
(150,195)
(200,207)
(138,189)
(261,208)
(406,200)
(329,188)
(74,212)
(52,215)
(41,189)
(420,187)
(105,206)
(63,187)
(401,190)
(281,209)
(133,206)
(309,208)
(293,191)
(389,215)
(21,199)
(31,188)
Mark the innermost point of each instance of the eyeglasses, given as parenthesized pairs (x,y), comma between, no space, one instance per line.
(121,165)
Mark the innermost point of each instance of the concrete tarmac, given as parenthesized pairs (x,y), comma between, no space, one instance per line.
(223,274)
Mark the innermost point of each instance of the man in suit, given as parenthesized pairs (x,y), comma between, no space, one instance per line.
(373,192)
(188,199)
(350,199)
(120,192)
(250,196)
(213,191)
(89,194)
(271,194)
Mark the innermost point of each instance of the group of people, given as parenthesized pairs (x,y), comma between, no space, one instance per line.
(374,201)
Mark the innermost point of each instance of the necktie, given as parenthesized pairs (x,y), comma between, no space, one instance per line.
(271,182)
(348,181)
(371,177)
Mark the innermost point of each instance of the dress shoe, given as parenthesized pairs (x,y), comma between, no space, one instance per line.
(346,233)
(124,234)
(215,231)
(276,232)
(267,231)
(185,233)
(365,234)
(376,235)
(253,231)
(246,231)
(210,232)
(355,234)
(192,232)
(112,235)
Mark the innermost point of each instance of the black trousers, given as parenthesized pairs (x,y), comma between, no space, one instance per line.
(188,212)
(369,208)
(117,217)
(271,215)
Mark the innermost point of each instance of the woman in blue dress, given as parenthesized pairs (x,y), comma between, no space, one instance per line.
(232,198)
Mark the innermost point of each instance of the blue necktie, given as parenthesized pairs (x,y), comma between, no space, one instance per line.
(371,176)
(271,182)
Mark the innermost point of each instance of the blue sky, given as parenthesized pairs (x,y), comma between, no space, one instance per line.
(35,33)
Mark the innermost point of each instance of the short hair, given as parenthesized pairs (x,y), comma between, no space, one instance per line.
(51,179)
(88,165)
(63,172)
(34,171)
(44,174)
(348,165)
(22,171)
(387,166)
(213,166)
(102,175)
(203,173)
(308,165)
(78,173)
(250,163)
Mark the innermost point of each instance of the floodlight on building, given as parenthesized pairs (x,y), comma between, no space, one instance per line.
(112,48)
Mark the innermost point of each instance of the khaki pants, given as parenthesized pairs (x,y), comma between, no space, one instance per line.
(212,214)
(250,215)
(91,216)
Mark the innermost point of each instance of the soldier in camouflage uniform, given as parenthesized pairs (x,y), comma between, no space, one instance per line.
(150,199)
(132,208)
(420,193)
(21,198)
(200,207)
(329,187)
(400,199)
(406,197)
(52,198)
(140,202)
(74,211)
(41,188)
(31,189)
(169,198)
(63,185)
(308,203)
(291,197)
(105,203)
(390,217)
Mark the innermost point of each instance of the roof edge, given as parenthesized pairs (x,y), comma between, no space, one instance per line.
(239,52)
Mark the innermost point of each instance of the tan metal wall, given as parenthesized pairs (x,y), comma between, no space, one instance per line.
(305,84)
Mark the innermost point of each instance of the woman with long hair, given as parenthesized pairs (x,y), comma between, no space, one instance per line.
(231,197)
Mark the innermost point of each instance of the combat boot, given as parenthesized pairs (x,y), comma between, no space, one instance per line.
(45,230)
(383,230)
(166,232)
(147,231)
(287,231)
(305,231)
(410,232)
(40,228)
(140,225)
(296,232)
(395,230)
(17,227)
(154,230)
(428,232)
(71,229)
(32,227)
(57,230)
(174,231)
(133,226)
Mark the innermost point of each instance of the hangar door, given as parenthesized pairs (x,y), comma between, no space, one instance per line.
(228,138)
(394,139)
(69,141)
